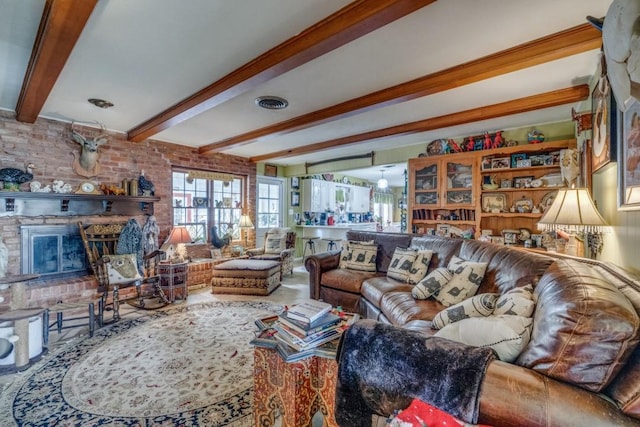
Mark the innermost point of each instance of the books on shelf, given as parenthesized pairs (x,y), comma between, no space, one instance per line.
(309,311)
(318,339)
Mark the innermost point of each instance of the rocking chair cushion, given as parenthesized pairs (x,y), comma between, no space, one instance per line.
(122,269)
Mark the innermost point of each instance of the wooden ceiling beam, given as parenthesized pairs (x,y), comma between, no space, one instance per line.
(349,23)
(60,27)
(530,103)
(565,43)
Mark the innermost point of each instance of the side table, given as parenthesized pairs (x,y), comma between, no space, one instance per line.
(299,389)
(173,280)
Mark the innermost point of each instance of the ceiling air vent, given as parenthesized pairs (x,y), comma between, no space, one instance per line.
(272,102)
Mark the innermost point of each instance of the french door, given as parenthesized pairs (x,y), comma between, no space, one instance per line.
(269,207)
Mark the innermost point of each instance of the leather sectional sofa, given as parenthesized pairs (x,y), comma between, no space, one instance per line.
(582,364)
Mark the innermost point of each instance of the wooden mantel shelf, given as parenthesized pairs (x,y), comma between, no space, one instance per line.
(24,203)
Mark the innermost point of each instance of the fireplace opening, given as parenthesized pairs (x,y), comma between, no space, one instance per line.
(52,251)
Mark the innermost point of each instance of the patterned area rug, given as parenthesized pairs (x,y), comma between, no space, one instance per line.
(187,366)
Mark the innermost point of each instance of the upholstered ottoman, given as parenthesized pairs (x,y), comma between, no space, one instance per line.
(245,276)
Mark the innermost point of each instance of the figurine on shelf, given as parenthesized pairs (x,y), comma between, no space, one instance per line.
(535,137)
(36,187)
(498,141)
(145,186)
(13,177)
(487,141)
(60,187)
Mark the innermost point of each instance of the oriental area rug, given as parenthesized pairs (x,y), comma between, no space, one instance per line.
(186,366)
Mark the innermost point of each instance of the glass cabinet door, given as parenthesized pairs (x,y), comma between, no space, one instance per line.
(459,185)
(426,186)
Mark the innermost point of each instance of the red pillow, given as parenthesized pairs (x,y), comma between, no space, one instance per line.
(419,414)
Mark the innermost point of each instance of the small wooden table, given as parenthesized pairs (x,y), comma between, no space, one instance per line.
(299,389)
(173,280)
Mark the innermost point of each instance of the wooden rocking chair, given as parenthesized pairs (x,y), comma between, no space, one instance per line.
(115,271)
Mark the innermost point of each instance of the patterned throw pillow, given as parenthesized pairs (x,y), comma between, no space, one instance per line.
(275,244)
(122,269)
(507,335)
(466,279)
(401,264)
(516,302)
(477,306)
(420,266)
(431,284)
(359,256)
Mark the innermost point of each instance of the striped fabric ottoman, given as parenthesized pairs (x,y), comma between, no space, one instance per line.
(245,276)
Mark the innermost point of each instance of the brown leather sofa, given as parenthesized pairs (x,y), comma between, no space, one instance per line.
(582,364)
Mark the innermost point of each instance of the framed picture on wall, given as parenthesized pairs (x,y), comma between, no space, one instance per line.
(295,182)
(270,170)
(295,198)
(629,159)
(604,119)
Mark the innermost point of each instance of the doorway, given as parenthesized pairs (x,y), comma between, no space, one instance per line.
(269,206)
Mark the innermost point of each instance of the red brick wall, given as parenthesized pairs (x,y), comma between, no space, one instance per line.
(48,145)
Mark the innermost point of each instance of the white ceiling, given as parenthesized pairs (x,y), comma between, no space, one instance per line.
(146,55)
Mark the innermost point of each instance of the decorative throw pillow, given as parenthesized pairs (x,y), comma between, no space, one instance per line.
(466,279)
(359,256)
(420,266)
(477,306)
(275,243)
(516,302)
(506,335)
(432,283)
(401,264)
(122,269)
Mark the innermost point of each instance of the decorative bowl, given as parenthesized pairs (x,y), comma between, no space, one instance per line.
(490,186)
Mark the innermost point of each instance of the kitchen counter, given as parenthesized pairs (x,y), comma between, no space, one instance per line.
(337,232)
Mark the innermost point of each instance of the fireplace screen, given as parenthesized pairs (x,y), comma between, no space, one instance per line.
(52,250)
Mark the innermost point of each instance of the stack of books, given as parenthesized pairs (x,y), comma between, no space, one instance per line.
(296,339)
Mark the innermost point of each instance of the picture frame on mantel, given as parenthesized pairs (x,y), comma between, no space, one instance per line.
(604,119)
(270,170)
(629,159)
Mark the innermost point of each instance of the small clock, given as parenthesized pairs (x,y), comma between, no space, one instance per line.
(345,180)
(87,188)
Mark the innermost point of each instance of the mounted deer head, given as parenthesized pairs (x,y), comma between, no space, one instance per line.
(87,163)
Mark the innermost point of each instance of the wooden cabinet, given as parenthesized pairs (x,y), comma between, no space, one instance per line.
(318,195)
(442,190)
(361,199)
(527,178)
(484,190)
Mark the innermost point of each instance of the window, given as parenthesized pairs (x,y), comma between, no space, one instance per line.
(269,205)
(383,208)
(203,203)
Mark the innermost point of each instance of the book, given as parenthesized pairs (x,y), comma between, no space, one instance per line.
(326,337)
(309,311)
(305,329)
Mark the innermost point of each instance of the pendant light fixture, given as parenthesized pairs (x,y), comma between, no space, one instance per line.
(382,182)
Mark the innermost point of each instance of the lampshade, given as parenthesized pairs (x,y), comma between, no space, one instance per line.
(245,222)
(382,182)
(572,210)
(179,234)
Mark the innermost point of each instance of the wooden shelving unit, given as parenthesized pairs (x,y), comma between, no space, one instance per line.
(431,206)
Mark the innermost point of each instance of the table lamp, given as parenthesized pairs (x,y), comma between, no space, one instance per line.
(246,225)
(177,238)
(572,211)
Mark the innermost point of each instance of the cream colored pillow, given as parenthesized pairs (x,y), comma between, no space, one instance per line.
(122,269)
(360,256)
(506,335)
(516,302)
(432,283)
(467,276)
(420,266)
(401,264)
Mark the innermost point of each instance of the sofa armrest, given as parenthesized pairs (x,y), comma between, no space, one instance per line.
(542,401)
(255,251)
(318,264)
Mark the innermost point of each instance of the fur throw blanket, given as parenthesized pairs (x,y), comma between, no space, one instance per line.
(382,368)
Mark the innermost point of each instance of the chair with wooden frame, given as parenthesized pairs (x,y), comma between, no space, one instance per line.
(100,243)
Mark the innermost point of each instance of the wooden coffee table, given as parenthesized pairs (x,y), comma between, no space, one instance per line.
(298,389)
